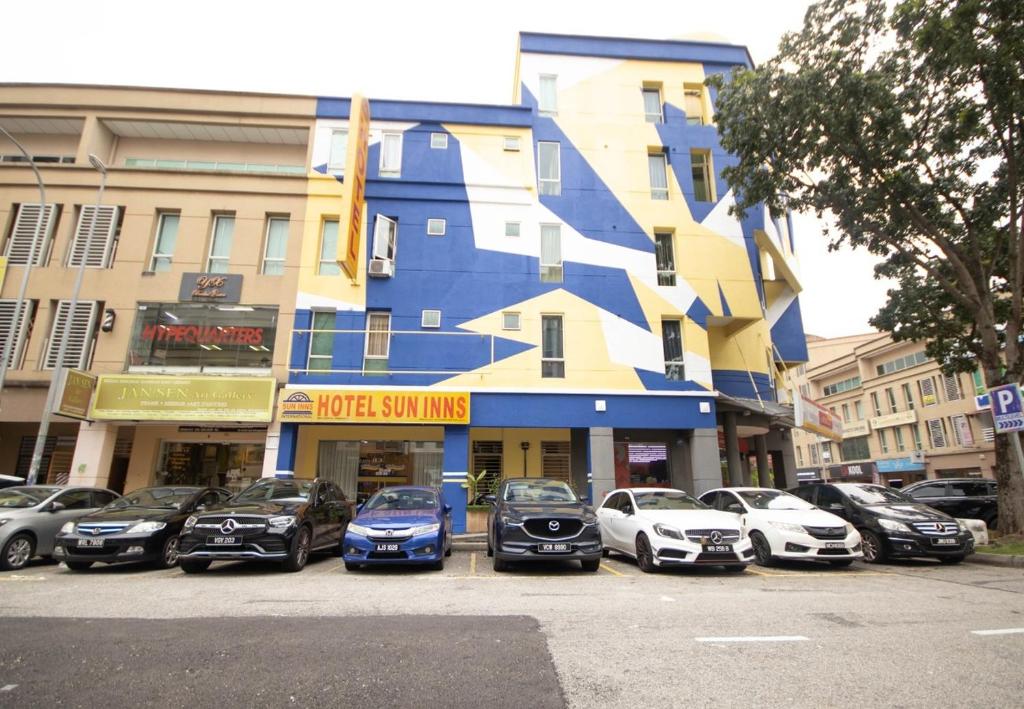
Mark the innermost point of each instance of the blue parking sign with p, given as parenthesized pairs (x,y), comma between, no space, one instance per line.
(1007,411)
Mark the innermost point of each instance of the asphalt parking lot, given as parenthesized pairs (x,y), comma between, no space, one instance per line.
(912,633)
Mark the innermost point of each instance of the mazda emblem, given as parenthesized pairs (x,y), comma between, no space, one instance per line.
(553,525)
(716,537)
(228,526)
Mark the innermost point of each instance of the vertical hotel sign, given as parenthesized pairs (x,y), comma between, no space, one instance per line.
(353,191)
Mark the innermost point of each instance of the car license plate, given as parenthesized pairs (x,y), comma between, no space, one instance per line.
(944,542)
(834,545)
(554,548)
(718,548)
(223,541)
(387,547)
(90,542)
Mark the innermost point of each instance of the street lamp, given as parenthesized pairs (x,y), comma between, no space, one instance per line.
(58,369)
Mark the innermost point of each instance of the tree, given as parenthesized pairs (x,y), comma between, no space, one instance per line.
(904,122)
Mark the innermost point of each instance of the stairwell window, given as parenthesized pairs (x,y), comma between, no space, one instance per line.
(321,341)
(391,155)
(552,364)
(19,249)
(95,236)
(665,259)
(328,263)
(703,176)
(166,239)
(549,168)
(672,346)
(378,342)
(657,168)
(221,236)
(275,246)
(652,105)
(547,101)
(339,150)
(551,253)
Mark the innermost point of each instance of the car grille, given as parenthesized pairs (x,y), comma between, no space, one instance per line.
(541,528)
(826,532)
(93,551)
(243,525)
(697,535)
(936,529)
(103,527)
(716,558)
(387,555)
(833,552)
(381,535)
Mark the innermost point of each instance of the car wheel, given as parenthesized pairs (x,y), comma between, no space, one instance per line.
(16,552)
(951,559)
(349,566)
(299,555)
(590,564)
(194,566)
(644,554)
(500,564)
(448,550)
(490,549)
(438,565)
(78,565)
(169,554)
(606,552)
(340,549)
(762,549)
(874,552)
(736,568)
(841,563)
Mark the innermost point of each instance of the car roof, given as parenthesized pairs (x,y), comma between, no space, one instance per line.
(951,480)
(421,488)
(648,489)
(742,489)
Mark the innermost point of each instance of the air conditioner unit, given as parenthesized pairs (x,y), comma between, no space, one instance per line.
(917,457)
(381,268)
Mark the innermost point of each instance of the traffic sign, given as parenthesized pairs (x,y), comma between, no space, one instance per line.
(1007,408)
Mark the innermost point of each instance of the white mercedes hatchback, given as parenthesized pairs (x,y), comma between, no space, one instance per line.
(782,526)
(665,527)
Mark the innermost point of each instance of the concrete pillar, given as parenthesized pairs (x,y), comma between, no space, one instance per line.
(789,466)
(732,448)
(578,461)
(96,138)
(680,465)
(764,478)
(454,468)
(745,470)
(704,460)
(94,451)
(288,439)
(602,463)
(778,466)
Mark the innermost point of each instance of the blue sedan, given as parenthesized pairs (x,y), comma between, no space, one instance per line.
(400,525)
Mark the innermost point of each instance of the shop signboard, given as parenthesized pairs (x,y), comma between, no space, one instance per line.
(855,429)
(353,192)
(210,288)
(76,394)
(897,419)
(122,397)
(811,416)
(852,470)
(373,406)
(899,465)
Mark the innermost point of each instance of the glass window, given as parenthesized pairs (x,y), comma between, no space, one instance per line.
(933,490)
(667,500)
(220,243)
(511,228)
(908,396)
(858,409)
(538,491)
(672,347)
(385,238)
(268,490)
(160,498)
(439,141)
(703,184)
(665,260)
(773,500)
(101,498)
(511,143)
(510,321)
(612,501)
(166,238)
(76,499)
(693,104)
(402,499)
(875,405)
(321,344)
(916,430)
(549,168)
(547,102)
(846,413)
(890,397)
(883,440)
(657,168)
(897,433)
(391,154)
(867,494)
(552,355)
(828,496)
(855,448)
(551,253)
(276,247)
(339,150)
(969,489)
(18,497)
(378,342)
(436,227)
(430,318)
(652,106)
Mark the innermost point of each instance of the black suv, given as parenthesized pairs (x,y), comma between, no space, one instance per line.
(967,498)
(277,520)
(537,518)
(890,523)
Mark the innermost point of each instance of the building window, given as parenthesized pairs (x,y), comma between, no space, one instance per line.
(858,410)
(339,150)
(378,342)
(657,169)
(511,143)
(703,176)
(890,397)
(901,363)
(552,364)
(936,432)
(439,141)
(672,346)
(979,382)
(555,460)
(855,448)
(874,403)
(665,260)
(926,387)
(276,247)
(826,451)
(805,390)
(511,321)
(652,105)
(166,238)
(328,263)
(799,456)
(812,449)
(78,327)
(908,396)
(321,340)
(511,228)
(693,104)
(897,432)
(15,326)
(430,318)
(551,253)
(20,240)
(391,155)
(961,431)
(916,431)
(549,168)
(841,386)
(547,102)
(221,236)
(95,236)
(846,413)
(385,238)
(436,227)
(883,441)
(951,384)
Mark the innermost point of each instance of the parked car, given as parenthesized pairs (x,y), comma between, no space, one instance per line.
(31,516)
(782,526)
(540,519)
(971,498)
(10,481)
(272,519)
(666,527)
(142,526)
(890,523)
(400,525)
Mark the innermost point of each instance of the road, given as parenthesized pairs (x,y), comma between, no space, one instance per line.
(907,634)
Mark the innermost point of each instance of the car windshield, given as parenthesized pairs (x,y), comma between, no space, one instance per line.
(25,496)
(265,491)
(539,491)
(402,500)
(667,500)
(874,494)
(773,500)
(161,498)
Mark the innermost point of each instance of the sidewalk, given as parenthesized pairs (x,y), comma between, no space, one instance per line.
(1011,560)
(469,542)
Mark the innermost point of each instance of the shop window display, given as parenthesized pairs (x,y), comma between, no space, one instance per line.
(229,465)
(360,468)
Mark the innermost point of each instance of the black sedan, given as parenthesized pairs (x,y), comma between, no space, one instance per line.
(541,519)
(142,526)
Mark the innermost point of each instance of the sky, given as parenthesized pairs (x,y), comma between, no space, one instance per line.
(445,50)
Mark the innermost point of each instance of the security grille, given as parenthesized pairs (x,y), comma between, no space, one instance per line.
(988,434)
(927,386)
(487,455)
(60,466)
(555,460)
(15,326)
(97,251)
(952,386)
(936,433)
(78,327)
(19,245)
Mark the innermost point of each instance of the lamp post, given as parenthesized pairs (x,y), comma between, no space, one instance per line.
(58,369)
(19,303)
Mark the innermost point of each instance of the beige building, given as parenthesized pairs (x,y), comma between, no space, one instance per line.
(903,420)
(190,271)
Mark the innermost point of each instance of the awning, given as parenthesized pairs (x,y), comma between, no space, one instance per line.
(777,414)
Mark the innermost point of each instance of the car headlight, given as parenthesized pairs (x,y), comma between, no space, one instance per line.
(425,529)
(850,529)
(963,526)
(190,523)
(512,521)
(146,527)
(589,521)
(666,531)
(892,525)
(788,527)
(358,529)
(280,524)
(68,528)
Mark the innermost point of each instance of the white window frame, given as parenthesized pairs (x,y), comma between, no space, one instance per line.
(23,232)
(555,183)
(883,440)
(437,226)
(660,116)
(213,237)
(940,429)
(333,164)
(875,405)
(511,143)
(370,314)
(858,409)
(901,444)
(327,265)
(266,245)
(541,108)
(505,325)
(157,256)
(551,272)
(518,229)
(678,366)
(659,193)
(313,330)
(554,360)
(385,247)
(690,90)
(438,141)
(890,398)
(709,174)
(908,395)
(668,276)
(390,170)
(430,319)
(20,324)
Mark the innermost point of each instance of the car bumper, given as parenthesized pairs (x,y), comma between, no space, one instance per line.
(421,549)
(115,549)
(677,552)
(902,545)
(516,545)
(797,545)
(269,547)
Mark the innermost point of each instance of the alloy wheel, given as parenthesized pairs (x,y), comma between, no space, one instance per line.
(762,550)
(870,547)
(302,555)
(18,553)
(171,552)
(644,555)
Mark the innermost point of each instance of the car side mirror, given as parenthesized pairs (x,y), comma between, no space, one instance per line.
(837,507)
(200,508)
(490,499)
(584,499)
(56,506)
(628,511)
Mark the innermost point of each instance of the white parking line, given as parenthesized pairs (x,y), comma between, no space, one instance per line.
(667,599)
(754,639)
(7,687)
(1001,631)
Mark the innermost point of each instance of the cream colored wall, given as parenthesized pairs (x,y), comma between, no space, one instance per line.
(207,150)
(38,144)
(512,453)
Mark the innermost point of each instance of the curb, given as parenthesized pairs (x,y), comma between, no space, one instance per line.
(469,546)
(1012,561)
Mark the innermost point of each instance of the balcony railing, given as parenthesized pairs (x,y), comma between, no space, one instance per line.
(215,166)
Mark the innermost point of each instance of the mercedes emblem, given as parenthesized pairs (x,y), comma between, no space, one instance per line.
(95,531)
(716,537)
(228,526)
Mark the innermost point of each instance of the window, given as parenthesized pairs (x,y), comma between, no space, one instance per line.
(511,228)
(916,430)
(961,431)
(826,451)
(220,243)
(15,327)
(897,433)
(436,227)
(858,409)
(703,184)
(672,346)
(855,448)
(657,168)
(664,257)
(552,364)
(926,491)
(487,461)
(76,499)
(166,238)
(430,318)
(510,321)
(805,390)
(652,105)
(550,253)
(890,397)
(979,382)
(385,238)
(20,240)
(908,396)
(927,388)
(511,143)
(693,104)
(799,456)
(812,449)
(95,235)
(549,168)
(846,413)
(391,155)
(339,150)
(321,341)
(276,246)
(378,342)
(554,460)
(439,141)
(547,102)
(951,384)
(78,327)
(901,363)
(874,403)
(328,264)
(936,433)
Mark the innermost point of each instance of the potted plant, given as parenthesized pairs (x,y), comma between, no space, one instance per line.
(476,510)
